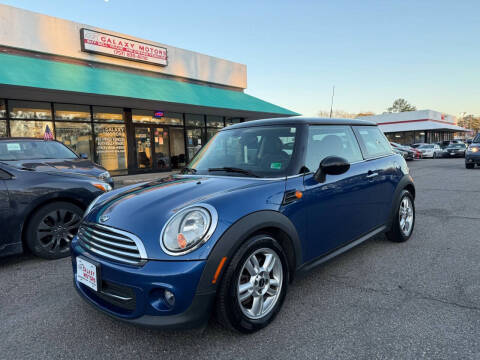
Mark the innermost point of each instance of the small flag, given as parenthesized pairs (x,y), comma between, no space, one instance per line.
(48,134)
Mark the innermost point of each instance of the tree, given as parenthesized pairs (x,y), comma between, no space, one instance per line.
(470,122)
(336,114)
(401,105)
(365,113)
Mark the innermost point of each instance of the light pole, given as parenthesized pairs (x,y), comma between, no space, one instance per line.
(331,105)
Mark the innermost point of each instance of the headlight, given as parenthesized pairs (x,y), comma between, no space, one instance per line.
(104,175)
(188,229)
(102,186)
(473,149)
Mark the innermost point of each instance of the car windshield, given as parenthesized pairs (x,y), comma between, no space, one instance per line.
(426,147)
(34,150)
(476,140)
(257,151)
(455,146)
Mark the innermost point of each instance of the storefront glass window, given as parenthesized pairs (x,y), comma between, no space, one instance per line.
(3,128)
(172,118)
(419,136)
(211,133)
(29,110)
(77,136)
(231,121)
(146,116)
(215,121)
(194,141)
(177,147)
(154,117)
(194,120)
(107,114)
(111,146)
(30,128)
(3,112)
(72,112)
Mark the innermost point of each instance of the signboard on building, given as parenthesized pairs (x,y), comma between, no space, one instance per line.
(115,46)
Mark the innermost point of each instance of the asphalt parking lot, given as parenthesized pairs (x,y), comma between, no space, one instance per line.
(419,299)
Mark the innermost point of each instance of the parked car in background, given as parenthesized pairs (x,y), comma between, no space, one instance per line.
(415,146)
(49,155)
(472,155)
(431,150)
(411,154)
(247,214)
(402,153)
(455,150)
(41,210)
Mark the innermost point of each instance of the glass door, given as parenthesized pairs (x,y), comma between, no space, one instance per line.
(143,147)
(162,149)
(177,147)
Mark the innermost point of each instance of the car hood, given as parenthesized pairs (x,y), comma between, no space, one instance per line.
(145,208)
(75,166)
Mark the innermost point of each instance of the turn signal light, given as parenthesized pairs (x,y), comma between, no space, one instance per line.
(298,194)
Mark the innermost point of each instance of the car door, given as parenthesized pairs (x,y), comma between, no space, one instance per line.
(6,238)
(382,168)
(343,207)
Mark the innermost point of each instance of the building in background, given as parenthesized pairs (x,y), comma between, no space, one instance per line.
(423,126)
(130,104)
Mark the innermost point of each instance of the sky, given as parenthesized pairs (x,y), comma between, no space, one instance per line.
(372,51)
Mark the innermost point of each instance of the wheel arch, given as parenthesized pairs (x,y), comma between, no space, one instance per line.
(41,204)
(406,183)
(268,222)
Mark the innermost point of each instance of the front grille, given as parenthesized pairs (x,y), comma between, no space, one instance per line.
(112,243)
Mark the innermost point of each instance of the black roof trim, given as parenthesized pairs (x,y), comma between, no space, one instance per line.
(300,120)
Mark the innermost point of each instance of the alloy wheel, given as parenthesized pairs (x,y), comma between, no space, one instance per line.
(405,215)
(260,283)
(57,229)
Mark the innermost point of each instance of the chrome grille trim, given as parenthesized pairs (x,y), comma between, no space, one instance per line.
(112,243)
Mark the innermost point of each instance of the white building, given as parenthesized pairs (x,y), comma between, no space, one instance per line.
(131,104)
(417,126)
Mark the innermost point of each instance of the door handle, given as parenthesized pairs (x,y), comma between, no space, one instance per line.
(371,174)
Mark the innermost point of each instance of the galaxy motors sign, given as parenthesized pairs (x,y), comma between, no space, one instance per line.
(110,45)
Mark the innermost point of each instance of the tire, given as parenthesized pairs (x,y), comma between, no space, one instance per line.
(238,314)
(397,233)
(51,228)
(434,156)
(469,166)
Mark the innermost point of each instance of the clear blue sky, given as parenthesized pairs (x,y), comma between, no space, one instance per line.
(372,51)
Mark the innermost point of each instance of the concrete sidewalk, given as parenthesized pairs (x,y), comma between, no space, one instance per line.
(138,178)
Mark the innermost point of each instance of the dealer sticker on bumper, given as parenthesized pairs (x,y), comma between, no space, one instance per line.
(87,273)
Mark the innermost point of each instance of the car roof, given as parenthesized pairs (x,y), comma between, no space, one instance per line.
(300,120)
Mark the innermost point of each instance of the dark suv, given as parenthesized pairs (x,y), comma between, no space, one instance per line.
(472,155)
(44,191)
(262,201)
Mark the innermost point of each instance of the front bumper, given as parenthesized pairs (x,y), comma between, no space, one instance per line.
(455,154)
(472,158)
(136,294)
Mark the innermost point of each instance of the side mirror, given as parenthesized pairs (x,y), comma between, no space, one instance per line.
(331,165)
(83,156)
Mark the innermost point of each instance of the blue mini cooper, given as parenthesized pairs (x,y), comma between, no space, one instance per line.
(260,202)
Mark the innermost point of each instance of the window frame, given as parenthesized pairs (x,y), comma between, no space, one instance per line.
(363,149)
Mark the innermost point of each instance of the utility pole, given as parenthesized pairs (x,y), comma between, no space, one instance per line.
(331,105)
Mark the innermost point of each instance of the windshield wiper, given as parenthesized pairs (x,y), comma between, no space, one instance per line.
(187,170)
(236,170)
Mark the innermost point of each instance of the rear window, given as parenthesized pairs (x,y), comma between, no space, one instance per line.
(34,150)
(372,141)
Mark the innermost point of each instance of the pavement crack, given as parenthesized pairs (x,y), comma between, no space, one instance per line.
(409,292)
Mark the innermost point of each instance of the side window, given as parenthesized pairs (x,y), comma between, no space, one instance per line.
(4,175)
(373,141)
(328,140)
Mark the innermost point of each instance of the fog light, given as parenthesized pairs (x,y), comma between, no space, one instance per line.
(169,298)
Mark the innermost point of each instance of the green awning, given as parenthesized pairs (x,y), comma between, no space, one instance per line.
(47,74)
